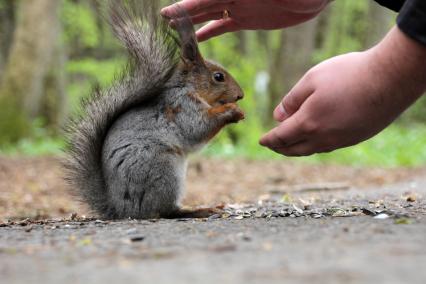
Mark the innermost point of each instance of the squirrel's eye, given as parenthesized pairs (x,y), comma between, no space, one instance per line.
(219,77)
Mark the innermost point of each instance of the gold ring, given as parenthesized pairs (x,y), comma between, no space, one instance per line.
(225,14)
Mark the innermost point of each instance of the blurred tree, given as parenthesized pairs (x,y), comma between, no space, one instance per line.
(7,22)
(380,21)
(291,59)
(345,30)
(53,106)
(21,89)
(241,42)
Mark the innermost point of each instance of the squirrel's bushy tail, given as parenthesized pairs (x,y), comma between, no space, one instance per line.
(153,56)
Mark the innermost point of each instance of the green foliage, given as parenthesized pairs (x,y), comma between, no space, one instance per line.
(40,143)
(95,58)
(85,73)
(395,146)
(416,114)
(13,123)
(346,29)
(80,25)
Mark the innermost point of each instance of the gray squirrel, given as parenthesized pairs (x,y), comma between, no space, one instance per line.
(127,153)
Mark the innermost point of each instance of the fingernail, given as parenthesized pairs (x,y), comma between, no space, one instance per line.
(279,113)
(282,109)
(164,11)
(262,140)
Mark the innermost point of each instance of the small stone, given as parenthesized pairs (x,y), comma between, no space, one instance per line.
(226,216)
(298,210)
(131,231)
(246,214)
(258,214)
(137,239)
(73,216)
(411,198)
(368,212)
(382,216)
(244,237)
(68,226)
(25,222)
(215,216)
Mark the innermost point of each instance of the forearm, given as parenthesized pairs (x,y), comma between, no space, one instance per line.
(400,63)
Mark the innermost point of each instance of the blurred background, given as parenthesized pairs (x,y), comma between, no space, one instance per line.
(52,52)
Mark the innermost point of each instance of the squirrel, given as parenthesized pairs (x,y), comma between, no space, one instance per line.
(127,151)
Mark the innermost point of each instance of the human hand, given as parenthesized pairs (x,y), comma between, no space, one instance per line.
(247,14)
(349,98)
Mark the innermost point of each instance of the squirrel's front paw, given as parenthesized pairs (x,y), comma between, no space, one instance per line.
(228,113)
(235,113)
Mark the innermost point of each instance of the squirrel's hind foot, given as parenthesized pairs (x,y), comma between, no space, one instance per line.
(198,213)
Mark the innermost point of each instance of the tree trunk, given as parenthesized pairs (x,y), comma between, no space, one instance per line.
(29,58)
(321,31)
(53,106)
(241,42)
(290,61)
(7,22)
(380,21)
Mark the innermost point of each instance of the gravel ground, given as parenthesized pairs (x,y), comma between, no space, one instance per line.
(332,236)
(34,187)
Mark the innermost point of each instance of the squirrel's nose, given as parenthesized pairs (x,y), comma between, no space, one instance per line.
(240,96)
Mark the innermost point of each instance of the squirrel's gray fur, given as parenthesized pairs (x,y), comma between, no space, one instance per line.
(127,151)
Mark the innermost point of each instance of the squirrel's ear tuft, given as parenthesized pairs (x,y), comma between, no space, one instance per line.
(182,23)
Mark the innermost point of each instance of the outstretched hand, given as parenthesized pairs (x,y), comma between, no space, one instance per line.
(349,98)
(247,15)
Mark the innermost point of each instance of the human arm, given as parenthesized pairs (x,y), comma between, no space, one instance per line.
(350,98)
(247,15)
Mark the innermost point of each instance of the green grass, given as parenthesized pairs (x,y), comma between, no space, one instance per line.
(85,73)
(396,146)
(40,143)
(34,147)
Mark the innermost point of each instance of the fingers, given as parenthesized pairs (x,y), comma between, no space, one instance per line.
(297,150)
(194,7)
(201,18)
(216,28)
(304,148)
(286,134)
(280,113)
(294,99)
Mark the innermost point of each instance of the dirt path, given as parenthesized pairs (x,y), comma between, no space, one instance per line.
(34,187)
(297,238)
